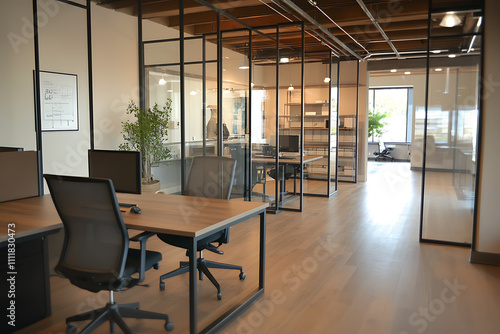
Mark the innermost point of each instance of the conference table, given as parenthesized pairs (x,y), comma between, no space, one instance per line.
(192,217)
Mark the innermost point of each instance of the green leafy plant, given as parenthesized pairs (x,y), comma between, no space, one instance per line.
(146,134)
(376,123)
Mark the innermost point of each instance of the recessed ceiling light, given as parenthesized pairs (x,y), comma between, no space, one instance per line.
(243,67)
(407,72)
(438,69)
(193,92)
(452,56)
(450,20)
(394,70)
(284,60)
(436,51)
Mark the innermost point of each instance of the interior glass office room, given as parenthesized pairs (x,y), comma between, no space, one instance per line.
(275,112)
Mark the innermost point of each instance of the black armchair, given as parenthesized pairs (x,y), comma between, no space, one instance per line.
(96,254)
(384,153)
(210,177)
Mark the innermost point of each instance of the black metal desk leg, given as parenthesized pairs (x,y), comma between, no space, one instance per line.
(193,300)
(262,250)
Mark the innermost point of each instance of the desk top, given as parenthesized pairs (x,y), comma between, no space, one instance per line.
(171,214)
(185,215)
(290,161)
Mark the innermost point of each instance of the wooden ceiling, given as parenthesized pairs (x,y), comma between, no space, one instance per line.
(350,28)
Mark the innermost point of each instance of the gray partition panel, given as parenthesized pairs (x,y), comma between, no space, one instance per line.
(18,175)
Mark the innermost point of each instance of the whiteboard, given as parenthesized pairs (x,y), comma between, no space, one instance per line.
(59,101)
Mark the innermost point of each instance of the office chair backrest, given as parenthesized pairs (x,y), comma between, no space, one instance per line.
(96,240)
(211,177)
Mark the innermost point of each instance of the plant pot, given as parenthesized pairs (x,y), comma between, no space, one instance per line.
(151,187)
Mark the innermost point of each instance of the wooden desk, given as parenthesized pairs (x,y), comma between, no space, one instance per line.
(286,161)
(170,214)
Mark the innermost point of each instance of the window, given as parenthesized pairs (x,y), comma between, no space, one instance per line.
(396,104)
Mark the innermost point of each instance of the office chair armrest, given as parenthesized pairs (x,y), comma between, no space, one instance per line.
(142,238)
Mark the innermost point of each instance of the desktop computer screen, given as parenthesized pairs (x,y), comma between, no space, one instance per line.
(289,143)
(122,167)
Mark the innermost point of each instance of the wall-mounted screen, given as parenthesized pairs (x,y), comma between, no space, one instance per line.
(122,167)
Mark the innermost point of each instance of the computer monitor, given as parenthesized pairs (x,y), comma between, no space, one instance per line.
(10,149)
(289,143)
(122,167)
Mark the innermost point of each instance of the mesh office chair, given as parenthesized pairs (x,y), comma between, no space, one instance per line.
(96,254)
(210,177)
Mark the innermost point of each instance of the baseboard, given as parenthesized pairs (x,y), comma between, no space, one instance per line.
(485,258)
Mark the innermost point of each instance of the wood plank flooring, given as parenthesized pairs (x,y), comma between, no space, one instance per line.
(348,264)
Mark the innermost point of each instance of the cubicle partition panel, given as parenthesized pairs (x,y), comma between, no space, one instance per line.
(18,175)
(450,126)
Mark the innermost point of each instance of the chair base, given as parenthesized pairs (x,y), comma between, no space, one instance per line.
(114,313)
(203,266)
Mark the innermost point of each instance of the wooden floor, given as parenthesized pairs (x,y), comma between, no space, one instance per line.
(347,264)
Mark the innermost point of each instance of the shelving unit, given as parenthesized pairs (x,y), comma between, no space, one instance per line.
(316,134)
(347,152)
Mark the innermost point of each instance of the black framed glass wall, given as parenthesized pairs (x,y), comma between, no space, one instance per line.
(235,101)
(320,124)
(162,68)
(263,117)
(451,125)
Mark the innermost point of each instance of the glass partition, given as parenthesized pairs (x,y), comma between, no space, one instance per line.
(451,122)
(264,119)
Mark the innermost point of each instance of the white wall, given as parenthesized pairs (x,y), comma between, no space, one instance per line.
(17,127)
(488,229)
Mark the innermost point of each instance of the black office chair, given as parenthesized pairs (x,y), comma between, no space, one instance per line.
(210,177)
(96,254)
(385,153)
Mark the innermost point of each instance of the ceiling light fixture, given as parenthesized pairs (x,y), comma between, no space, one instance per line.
(284,60)
(244,67)
(438,69)
(407,72)
(394,70)
(452,56)
(291,87)
(450,20)
(436,51)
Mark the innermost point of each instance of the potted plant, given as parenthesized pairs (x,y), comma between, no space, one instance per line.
(146,134)
(376,123)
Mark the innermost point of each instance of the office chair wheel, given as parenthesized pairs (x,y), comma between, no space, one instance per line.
(219,295)
(243,276)
(169,326)
(162,286)
(156,266)
(70,329)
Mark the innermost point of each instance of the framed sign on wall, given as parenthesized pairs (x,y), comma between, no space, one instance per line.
(59,101)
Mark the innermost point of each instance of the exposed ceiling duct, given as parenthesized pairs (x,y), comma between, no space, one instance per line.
(375,23)
(308,18)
